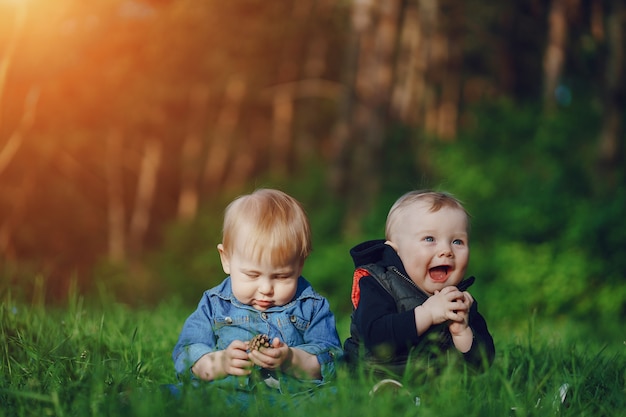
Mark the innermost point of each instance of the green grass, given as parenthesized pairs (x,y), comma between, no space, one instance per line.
(108,359)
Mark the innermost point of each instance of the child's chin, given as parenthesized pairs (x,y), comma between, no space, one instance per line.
(436,286)
(431,288)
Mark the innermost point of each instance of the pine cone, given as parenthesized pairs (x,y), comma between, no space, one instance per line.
(259,341)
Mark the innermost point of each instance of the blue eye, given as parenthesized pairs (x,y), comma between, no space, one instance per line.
(429,239)
(457,242)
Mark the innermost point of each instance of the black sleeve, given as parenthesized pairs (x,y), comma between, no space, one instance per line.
(379,322)
(483,350)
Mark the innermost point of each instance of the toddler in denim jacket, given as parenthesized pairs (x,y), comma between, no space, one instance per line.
(266,240)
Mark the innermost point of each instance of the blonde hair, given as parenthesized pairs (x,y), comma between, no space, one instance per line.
(437,200)
(276,224)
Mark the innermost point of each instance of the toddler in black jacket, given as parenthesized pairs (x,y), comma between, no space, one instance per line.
(409,293)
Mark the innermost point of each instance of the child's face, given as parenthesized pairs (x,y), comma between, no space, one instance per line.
(433,246)
(259,283)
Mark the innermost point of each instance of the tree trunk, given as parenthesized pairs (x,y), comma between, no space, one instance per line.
(8,151)
(191,162)
(407,87)
(146,187)
(5,61)
(341,144)
(11,147)
(448,101)
(282,130)
(218,154)
(430,64)
(554,56)
(115,200)
(289,70)
(11,221)
(610,144)
(377,32)
(597,20)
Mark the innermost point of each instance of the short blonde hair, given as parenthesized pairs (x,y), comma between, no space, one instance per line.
(437,200)
(277,225)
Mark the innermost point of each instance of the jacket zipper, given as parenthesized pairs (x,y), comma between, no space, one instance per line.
(410,281)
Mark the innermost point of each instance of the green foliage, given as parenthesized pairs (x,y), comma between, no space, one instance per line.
(545,237)
(189,262)
(106,359)
(74,359)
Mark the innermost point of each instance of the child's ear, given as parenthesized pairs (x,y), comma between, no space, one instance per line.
(393,245)
(224,258)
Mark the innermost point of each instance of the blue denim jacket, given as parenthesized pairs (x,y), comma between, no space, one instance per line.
(306,323)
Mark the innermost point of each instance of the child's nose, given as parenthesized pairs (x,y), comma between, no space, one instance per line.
(265,286)
(445,250)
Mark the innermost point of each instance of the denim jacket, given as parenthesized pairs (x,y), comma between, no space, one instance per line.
(306,323)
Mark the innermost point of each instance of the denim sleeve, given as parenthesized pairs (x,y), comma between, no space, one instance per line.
(321,338)
(196,338)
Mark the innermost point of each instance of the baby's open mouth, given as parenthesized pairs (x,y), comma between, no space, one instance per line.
(439,273)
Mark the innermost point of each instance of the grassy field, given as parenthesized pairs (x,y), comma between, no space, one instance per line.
(110,360)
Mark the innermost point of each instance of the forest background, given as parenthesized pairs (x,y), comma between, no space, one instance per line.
(126,126)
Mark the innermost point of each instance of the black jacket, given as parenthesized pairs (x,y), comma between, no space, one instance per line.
(383,326)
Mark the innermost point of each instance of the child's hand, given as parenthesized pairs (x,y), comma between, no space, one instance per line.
(235,360)
(446,305)
(462,334)
(231,361)
(461,323)
(274,357)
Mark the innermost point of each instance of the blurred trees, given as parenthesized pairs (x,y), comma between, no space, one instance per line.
(614,99)
(118,117)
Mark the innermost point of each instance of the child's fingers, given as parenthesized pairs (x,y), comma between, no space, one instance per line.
(276,343)
(241,363)
(452,293)
(263,360)
(266,354)
(271,358)
(238,349)
(239,354)
(238,345)
(257,358)
(457,314)
(448,290)
(240,368)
